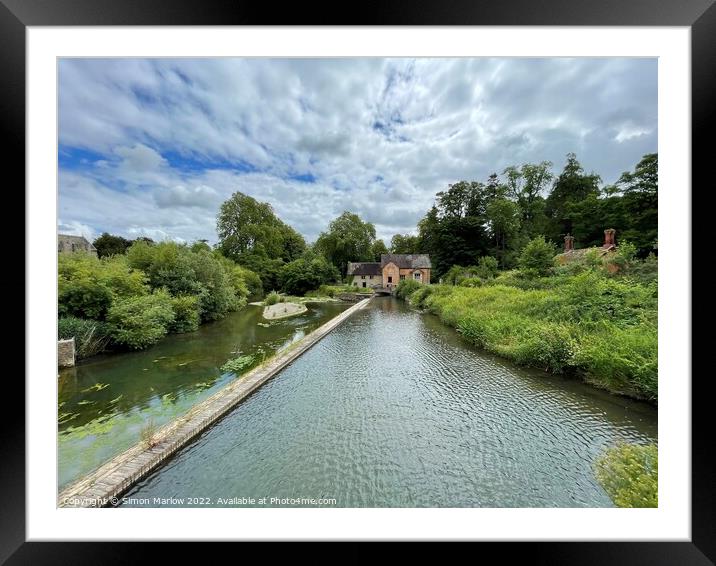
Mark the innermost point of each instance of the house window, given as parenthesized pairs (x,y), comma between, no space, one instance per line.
(390,278)
(362,276)
(417,275)
(363,283)
(402,277)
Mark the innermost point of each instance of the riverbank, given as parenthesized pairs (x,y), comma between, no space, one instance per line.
(601,330)
(116,476)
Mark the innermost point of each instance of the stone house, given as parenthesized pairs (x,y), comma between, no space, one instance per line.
(391,270)
(68,244)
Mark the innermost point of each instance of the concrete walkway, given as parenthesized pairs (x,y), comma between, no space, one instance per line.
(105,485)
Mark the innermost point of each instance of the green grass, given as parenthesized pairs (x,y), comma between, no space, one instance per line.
(602,329)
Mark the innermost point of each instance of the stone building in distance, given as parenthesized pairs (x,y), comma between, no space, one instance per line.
(391,270)
(68,244)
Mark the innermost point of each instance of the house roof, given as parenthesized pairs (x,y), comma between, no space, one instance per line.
(364,268)
(406,261)
(70,239)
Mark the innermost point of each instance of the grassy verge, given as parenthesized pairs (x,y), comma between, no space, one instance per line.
(602,329)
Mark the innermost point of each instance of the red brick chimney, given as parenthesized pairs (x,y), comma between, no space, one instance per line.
(568,243)
(609,238)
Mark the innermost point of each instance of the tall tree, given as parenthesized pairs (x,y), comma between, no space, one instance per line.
(251,234)
(348,238)
(571,187)
(379,248)
(405,244)
(526,185)
(640,190)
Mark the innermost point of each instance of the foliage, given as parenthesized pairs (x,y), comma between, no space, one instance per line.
(237,365)
(592,325)
(107,245)
(87,286)
(218,283)
(272,298)
(252,235)
(406,288)
(186,314)
(91,336)
(138,322)
(629,473)
(348,238)
(537,257)
(404,244)
(305,274)
(487,267)
(377,249)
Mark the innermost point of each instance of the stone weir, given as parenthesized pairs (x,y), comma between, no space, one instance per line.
(106,484)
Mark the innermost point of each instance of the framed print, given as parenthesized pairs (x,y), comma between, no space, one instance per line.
(424,275)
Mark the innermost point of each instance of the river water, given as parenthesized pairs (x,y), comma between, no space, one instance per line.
(393,409)
(105,401)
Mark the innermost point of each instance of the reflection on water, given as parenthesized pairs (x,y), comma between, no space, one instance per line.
(392,409)
(105,401)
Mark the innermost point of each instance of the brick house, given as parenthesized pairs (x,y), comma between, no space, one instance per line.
(391,270)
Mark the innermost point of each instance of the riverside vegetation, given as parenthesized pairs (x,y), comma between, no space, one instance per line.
(577,319)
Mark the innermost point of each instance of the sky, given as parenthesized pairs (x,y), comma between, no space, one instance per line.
(152,147)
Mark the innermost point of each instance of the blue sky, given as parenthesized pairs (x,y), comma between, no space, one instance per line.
(153,146)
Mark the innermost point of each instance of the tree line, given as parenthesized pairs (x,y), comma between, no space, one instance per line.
(469,220)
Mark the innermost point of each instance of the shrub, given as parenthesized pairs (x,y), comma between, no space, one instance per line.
(138,322)
(91,336)
(272,298)
(537,257)
(418,298)
(471,282)
(406,288)
(186,314)
(629,473)
(487,267)
(87,286)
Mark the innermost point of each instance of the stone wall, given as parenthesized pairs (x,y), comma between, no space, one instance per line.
(66,353)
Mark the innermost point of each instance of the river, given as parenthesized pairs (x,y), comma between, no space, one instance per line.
(105,400)
(393,409)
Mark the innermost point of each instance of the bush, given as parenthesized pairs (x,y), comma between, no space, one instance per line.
(537,257)
(487,267)
(418,298)
(87,286)
(471,282)
(406,288)
(138,322)
(629,473)
(186,314)
(272,298)
(304,274)
(91,336)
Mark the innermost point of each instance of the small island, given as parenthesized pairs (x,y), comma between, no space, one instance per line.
(283,310)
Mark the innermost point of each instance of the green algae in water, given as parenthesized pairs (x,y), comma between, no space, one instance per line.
(237,364)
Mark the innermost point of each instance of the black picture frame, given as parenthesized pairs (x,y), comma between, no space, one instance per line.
(699,15)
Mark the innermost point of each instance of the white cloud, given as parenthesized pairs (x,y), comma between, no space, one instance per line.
(380,137)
